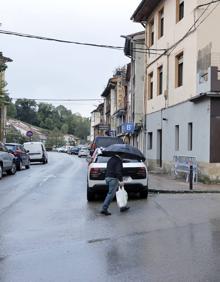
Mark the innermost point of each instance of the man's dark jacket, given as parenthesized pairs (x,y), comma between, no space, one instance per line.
(114,168)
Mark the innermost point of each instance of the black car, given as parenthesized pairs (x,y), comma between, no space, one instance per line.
(22,157)
(74,150)
(104,141)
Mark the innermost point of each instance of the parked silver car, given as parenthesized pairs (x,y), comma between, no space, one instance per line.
(83,152)
(7,161)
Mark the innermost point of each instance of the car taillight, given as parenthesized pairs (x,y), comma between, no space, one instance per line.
(141,171)
(96,172)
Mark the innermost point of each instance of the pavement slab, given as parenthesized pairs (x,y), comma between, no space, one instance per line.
(165,183)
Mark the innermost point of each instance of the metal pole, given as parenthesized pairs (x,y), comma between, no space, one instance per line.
(190,177)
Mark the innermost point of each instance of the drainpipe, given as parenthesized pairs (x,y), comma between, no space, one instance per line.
(166,94)
(167,82)
(166,101)
(145,114)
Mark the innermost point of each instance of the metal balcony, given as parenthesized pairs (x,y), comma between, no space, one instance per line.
(209,82)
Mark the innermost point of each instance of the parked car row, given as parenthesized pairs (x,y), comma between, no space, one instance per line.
(84,151)
(14,156)
(81,151)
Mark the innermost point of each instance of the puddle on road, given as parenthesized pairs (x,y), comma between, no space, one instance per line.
(2,259)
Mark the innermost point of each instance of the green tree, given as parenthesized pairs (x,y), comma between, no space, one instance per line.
(48,123)
(57,119)
(82,127)
(26,110)
(55,138)
(14,136)
(11,109)
(64,114)
(49,116)
(64,128)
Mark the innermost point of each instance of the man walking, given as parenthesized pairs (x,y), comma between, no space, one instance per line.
(113,178)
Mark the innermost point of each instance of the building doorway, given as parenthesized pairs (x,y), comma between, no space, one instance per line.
(159,147)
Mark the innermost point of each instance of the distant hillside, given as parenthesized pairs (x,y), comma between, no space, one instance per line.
(17,130)
(23,127)
(44,118)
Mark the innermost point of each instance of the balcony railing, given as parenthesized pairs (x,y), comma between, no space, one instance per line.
(209,81)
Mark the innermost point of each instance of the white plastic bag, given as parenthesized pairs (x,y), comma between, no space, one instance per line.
(121,197)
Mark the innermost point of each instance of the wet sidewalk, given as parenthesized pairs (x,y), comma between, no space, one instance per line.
(164,183)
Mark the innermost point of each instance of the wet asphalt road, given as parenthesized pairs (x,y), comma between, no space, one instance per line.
(48,231)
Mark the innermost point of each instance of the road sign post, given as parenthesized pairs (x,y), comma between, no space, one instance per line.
(29,134)
(190,177)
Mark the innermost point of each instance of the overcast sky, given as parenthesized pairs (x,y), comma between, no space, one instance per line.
(43,69)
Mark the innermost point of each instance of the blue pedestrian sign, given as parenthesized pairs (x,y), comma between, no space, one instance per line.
(128,127)
(29,133)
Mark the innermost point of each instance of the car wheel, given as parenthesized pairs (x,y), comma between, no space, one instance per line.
(13,169)
(44,160)
(19,166)
(27,166)
(144,194)
(90,195)
(1,171)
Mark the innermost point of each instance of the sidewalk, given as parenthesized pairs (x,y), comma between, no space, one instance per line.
(164,183)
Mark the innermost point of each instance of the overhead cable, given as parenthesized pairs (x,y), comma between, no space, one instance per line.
(190,30)
(24,35)
(136,49)
(210,12)
(64,100)
(6,32)
(208,3)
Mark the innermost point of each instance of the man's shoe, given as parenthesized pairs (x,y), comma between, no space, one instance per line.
(124,209)
(105,212)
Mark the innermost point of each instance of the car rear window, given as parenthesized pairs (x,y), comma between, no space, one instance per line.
(10,147)
(101,159)
(131,161)
(33,148)
(107,141)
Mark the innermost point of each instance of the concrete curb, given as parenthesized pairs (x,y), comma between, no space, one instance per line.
(183,191)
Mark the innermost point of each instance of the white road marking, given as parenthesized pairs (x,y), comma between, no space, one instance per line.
(46,179)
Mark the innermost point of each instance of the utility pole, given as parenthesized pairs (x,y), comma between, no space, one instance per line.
(2,106)
(3,102)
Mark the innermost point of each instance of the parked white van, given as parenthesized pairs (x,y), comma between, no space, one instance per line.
(37,152)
